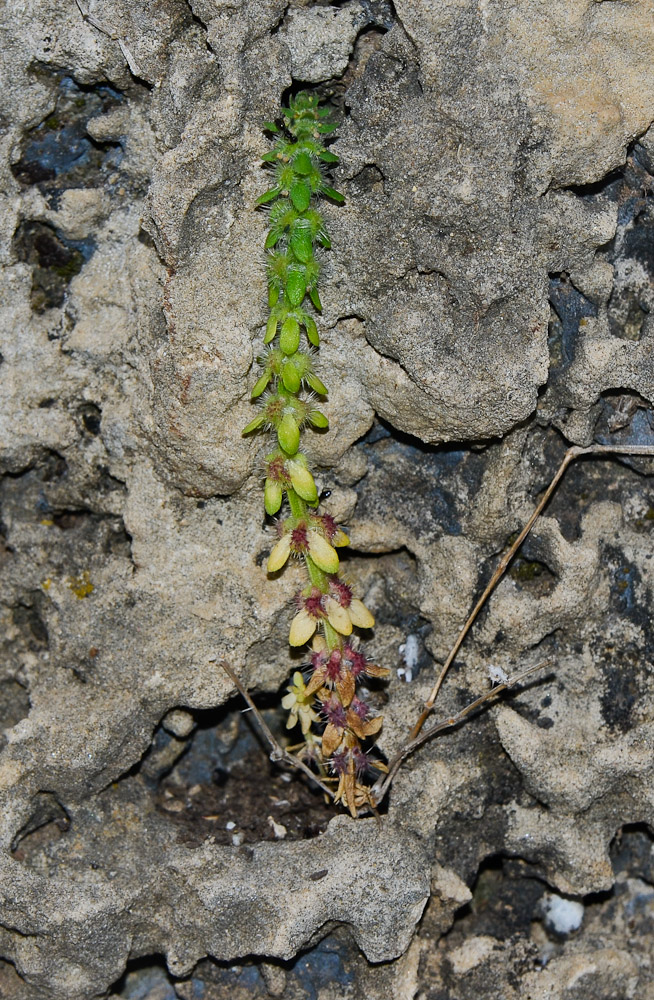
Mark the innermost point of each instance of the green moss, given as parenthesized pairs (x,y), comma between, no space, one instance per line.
(524,570)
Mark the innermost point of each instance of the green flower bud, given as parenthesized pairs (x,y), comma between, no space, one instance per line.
(296,285)
(302,481)
(300,193)
(272,496)
(290,376)
(302,164)
(288,434)
(289,338)
(300,240)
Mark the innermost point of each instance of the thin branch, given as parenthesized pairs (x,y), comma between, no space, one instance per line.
(95,22)
(277,753)
(646,451)
(379,790)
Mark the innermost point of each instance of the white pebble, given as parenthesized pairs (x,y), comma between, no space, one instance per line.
(563,916)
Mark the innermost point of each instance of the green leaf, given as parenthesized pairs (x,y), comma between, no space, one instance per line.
(267,196)
(271,329)
(318,419)
(324,241)
(302,164)
(260,385)
(300,195)
(273,295)
(270,157)
(327,127)
(289,338)
(300,242)
(255,424)
(328,157)
(332,193)
(270,127)
(296,285)
(271,239)
(315,298)
(312,331)
(290,376)
(316,384)
(288,434)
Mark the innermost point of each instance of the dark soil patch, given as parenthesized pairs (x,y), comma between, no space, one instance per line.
(251,802)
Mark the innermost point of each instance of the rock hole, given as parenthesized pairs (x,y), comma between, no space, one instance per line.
(47,824)
(54,262)
(223,785)
(14,703)
(632,852)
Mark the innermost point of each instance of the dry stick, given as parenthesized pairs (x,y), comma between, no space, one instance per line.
(277,753)
(379,790)
(572,453)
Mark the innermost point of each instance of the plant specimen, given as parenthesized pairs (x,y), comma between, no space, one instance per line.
(334,720)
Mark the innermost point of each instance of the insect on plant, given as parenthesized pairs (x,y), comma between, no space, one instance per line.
(336,723)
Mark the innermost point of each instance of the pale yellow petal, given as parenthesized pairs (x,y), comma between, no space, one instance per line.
(360,615)
(340,538)
(318,644)
(302,481)
(302,628)
(338,617)
(288,701)
(279,554)
(322,553)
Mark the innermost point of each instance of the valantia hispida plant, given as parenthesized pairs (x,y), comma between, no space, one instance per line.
(335,722)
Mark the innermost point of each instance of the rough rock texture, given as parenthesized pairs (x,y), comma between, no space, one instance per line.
(489,298)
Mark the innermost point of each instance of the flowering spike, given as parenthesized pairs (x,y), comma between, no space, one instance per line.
(327,610)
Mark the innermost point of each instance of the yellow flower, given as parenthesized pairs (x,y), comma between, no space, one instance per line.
(302,628)
(342,619)
(303,540)
(298,704)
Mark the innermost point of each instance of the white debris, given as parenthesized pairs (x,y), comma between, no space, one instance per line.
(497,675)
(563,916)
(278,829)
(230,825)
(410,653)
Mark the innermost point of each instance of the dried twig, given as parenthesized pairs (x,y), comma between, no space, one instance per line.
(646,451)
(277,754)
(95,22)
(417,738)
(379,790)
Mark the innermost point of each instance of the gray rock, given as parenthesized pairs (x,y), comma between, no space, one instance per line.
(490,290)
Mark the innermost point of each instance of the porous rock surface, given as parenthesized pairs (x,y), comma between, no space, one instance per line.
(488,298)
